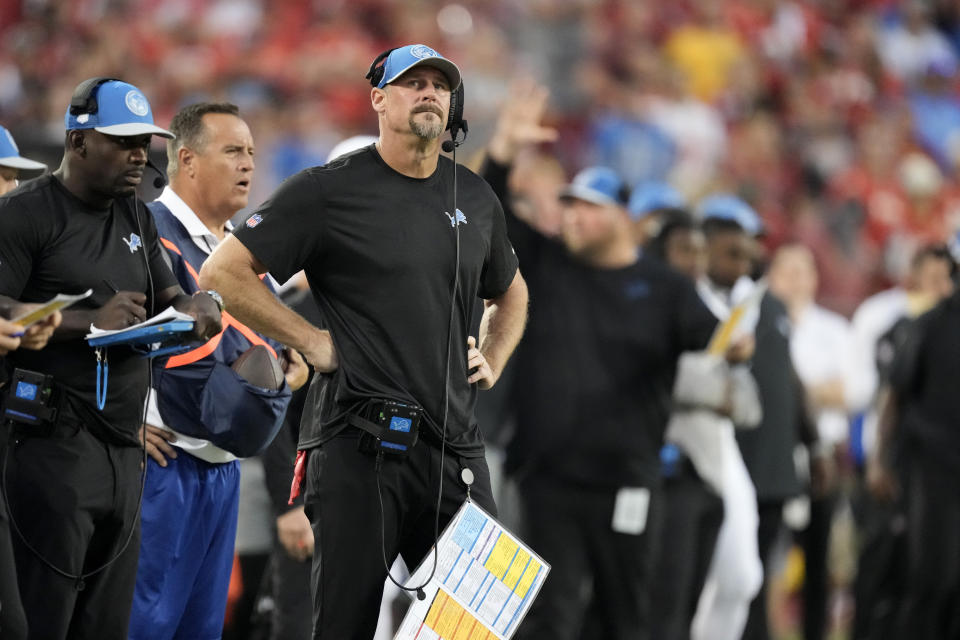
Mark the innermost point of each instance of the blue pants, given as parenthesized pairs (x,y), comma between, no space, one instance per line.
(189,523)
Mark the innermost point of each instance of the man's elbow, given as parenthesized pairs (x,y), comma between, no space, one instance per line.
(211,274)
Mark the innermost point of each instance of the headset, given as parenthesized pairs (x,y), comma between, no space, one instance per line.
(84,101)
(455,124)
(455,121)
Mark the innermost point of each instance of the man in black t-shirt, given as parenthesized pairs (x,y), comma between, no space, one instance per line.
(73,482)
(591,414)
(382,243)
(916,461)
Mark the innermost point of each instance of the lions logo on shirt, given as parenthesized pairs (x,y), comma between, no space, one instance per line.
(461,219)
(133,243)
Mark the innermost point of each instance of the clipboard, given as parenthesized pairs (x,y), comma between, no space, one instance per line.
(142,335)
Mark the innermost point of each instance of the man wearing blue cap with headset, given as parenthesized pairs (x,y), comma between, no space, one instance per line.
(73,475)
(398,246)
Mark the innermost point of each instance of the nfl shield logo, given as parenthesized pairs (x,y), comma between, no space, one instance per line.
(254,220)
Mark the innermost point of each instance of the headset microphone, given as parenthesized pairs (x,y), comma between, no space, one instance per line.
(161,180)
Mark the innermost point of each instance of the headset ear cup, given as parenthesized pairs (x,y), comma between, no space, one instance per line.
(376,76)
(375,73)
(83,100)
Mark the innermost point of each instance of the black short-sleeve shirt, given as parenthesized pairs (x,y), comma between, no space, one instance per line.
(51,242)
(596,368)
(926,376)
(379,250)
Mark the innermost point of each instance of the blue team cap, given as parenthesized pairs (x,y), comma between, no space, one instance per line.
(651,196)
(10,154)
(723,206)
(599,185)
(405,58)
(122,110)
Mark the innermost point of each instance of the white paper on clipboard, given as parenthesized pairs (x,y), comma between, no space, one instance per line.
(485,581)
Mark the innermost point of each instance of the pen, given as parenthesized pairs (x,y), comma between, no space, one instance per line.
(112,286)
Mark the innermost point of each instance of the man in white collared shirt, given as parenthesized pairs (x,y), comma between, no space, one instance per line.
(190,501)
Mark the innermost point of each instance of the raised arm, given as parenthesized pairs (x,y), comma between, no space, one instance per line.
(233,272)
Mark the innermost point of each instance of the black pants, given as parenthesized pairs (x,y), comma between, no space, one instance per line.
(75,500)
(879,582)
(571,528)
(292,606)
(691,517)
(351,538)
(771,522)
(13,621)
(815,540)
(931,599)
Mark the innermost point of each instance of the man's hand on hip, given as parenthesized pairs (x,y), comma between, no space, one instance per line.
(295,370)
(157,441)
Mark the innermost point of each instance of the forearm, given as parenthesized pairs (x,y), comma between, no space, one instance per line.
(76,324)
(252,303)
(502,325)
(248,299)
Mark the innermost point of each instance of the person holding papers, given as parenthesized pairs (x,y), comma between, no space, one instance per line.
(13,335)
(73,477)
(192,490)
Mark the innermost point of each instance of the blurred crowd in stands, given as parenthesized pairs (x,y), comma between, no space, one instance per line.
(838,120)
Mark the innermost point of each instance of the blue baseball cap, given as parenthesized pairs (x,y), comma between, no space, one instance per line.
(599,185)
(10,154)
(405,58)
(122,110)
(724,206)
(651,196)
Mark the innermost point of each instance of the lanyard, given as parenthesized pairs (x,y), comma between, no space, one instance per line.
(103,371)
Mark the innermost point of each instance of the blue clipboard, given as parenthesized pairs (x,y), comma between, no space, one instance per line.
(162,332)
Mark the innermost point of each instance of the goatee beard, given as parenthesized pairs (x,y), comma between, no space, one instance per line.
(426,131)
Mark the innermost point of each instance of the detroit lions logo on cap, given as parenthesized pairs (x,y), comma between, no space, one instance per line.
(136,103)
(423,51)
